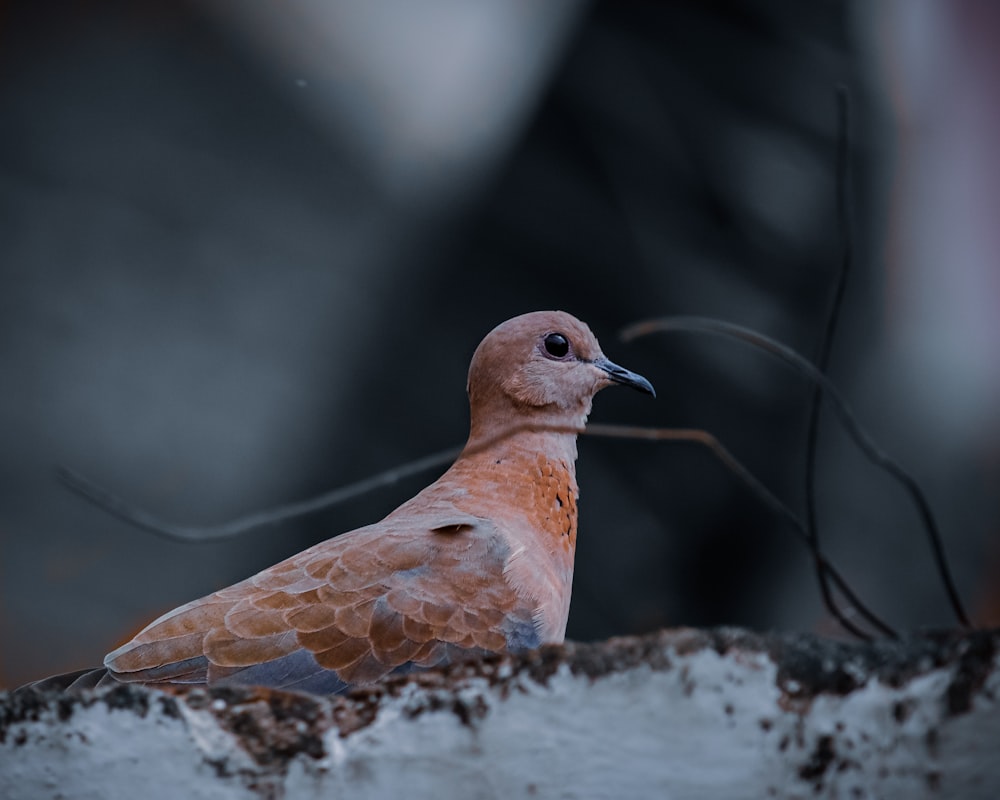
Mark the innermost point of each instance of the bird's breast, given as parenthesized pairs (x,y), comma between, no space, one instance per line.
(531,500)
(534,495)
(555,498)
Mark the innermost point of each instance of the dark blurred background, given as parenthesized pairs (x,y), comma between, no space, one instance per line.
(247,249)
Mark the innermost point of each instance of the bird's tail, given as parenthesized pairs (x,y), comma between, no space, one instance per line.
(71,682)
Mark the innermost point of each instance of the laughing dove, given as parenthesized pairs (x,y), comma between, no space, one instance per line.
(480,561)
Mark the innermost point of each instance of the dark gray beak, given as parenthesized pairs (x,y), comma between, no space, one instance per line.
(624,376)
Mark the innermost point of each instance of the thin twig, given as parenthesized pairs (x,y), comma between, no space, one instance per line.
(134,515)
(842,172)
(847,418)
(730,462)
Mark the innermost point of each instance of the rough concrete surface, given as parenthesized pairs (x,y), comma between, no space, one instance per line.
(721,713)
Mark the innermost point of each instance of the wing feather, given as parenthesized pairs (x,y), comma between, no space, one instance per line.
(387,598)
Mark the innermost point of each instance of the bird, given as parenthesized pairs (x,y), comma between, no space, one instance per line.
(478,562)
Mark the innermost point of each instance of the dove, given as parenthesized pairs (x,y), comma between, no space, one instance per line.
(480,561)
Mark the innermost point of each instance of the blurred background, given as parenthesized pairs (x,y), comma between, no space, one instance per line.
(247,249)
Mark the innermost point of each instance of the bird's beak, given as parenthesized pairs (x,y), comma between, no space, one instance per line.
(623,376)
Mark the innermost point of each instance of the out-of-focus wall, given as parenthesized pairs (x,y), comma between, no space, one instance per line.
(246,255)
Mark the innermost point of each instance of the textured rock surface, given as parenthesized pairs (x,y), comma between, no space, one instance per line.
(683,713)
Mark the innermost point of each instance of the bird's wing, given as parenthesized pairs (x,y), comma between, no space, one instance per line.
(390,597)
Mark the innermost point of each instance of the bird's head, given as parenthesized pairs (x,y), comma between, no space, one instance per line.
(543,364)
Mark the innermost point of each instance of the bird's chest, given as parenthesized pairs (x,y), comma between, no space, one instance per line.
(539,496)
(542,492)
(554,492)
(531,500)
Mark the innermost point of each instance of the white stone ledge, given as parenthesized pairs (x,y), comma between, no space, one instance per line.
(680,714)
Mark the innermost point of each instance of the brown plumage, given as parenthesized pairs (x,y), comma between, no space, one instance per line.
(479,561)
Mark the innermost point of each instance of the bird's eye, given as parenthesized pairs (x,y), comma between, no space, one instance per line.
(556,345)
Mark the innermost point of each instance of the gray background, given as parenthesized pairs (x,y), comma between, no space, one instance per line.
(247,249)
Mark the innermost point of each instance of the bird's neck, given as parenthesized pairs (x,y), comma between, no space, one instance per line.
(516,429)
(517,446)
